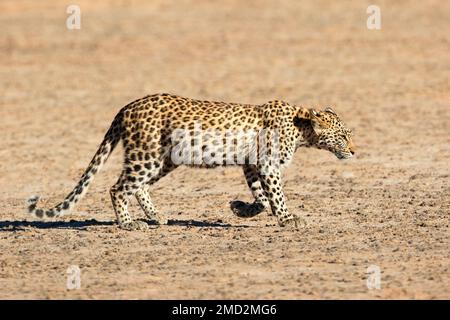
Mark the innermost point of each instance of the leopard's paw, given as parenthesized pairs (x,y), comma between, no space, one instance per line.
(157,218)
(246,210)
(294,222)
(134,226)
(160,219)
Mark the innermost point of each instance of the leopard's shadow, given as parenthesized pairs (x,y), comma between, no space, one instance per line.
(72,224)
(202,224)
(83,224)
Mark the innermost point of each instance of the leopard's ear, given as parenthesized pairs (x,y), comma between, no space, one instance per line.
(304,113)
(329,110)
(317,122)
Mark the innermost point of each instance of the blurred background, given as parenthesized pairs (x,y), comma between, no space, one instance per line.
(61,88)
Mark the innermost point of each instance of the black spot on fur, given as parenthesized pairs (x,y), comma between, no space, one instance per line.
(32,207)
(148,165)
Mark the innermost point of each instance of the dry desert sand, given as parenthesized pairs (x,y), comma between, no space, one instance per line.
(388,207)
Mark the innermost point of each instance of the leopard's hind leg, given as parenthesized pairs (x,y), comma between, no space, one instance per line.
(144,199)
(120,197)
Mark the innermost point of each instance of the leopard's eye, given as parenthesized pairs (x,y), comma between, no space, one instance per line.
(341,143)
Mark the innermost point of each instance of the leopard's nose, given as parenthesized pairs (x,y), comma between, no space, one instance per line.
(351,147)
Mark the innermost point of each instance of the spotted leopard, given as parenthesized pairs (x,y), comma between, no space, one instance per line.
(147,130)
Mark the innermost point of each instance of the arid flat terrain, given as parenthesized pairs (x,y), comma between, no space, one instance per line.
(387,207)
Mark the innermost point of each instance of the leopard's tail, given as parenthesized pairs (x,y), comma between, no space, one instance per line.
(110,141)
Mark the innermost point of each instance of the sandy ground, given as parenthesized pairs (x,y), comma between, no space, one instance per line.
(388,207)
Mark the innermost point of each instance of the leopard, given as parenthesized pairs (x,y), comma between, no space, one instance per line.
(150,129)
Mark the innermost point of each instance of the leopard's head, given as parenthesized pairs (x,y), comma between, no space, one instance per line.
(329,132)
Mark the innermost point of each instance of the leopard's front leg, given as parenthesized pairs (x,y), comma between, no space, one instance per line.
(272,185)
(247,210)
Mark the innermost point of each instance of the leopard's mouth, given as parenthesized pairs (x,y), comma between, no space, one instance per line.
(343,155)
